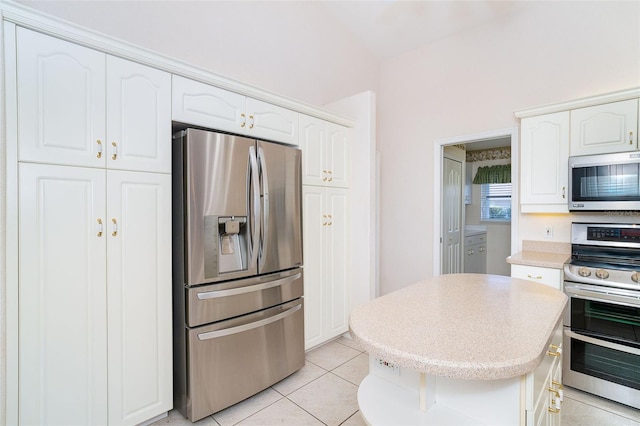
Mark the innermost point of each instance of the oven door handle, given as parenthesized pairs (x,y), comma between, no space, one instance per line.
(604,343)
(599,296)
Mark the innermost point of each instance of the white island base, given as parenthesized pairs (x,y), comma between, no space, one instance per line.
(397,396)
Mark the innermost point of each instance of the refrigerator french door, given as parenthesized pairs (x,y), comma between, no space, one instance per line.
(237,258)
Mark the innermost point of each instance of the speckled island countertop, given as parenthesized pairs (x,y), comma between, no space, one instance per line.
(465,326)
(545,254)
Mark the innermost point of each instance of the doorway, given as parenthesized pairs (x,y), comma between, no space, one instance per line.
(501,235)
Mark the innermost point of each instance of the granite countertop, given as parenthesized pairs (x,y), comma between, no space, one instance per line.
(542,253)
(465,326)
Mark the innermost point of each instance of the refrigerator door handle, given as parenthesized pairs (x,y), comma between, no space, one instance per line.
(245,327)
(265,208)
(255,187)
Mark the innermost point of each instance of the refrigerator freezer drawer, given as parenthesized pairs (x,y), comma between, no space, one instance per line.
(235,359)
(217,302)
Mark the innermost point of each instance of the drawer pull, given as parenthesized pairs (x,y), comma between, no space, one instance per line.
(537,277)
(557,349)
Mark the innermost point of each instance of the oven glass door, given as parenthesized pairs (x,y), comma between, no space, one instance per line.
(607,321)
(613,182)
(605,363)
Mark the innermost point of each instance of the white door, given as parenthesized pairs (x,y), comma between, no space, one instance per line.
(544,160)
(336,217)
(138,117)
(312,142)
(271,122)
(139,295)
(208,106)
(62,296)
(452,216)
(605,128)
(314,271)
(61,101)
(338,156)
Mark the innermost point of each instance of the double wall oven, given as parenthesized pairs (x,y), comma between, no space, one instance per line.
(602,321)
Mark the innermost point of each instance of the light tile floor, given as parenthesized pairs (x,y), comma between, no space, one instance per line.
(324,392)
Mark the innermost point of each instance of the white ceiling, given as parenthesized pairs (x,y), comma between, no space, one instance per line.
(391,27)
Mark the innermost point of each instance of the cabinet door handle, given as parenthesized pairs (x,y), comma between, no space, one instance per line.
(244,120)
(324,220)
(253,121)
(630,138)
(100,228)
(329,172)
(115,150)
(99,154)
(114,227)
(563,192)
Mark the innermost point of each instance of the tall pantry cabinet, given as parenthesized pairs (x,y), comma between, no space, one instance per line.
(94,278)
(325,194)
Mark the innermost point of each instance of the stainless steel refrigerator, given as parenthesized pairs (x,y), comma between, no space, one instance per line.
(237,277)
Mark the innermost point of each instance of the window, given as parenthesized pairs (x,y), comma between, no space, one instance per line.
(495,202)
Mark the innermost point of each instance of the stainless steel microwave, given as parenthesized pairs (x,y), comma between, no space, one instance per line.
(605,182)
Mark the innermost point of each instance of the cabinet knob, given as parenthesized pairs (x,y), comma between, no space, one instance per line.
(99,154)
(114,149)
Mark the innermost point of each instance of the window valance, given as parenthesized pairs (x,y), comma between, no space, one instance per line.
(493,174)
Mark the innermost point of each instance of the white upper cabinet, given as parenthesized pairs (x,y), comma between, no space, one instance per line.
(138,117)
(606,128)
(325,153)
(61,108)
(208,106)
(80,107)
(544,163)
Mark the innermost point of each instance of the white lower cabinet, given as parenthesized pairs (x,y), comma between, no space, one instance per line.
(547,276)
(326,260)
(94,295)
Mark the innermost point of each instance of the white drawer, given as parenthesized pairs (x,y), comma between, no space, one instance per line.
(548,276)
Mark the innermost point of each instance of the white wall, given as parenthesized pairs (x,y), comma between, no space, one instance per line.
(294,49)
(544,52)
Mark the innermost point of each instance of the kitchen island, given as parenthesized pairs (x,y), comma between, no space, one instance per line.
(461,349)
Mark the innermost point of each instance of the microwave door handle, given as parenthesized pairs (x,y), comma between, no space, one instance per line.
(265,207)
(255,189)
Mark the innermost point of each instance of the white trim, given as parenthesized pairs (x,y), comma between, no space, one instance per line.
(10,140)
(30,18)
(621,95)
(437,185)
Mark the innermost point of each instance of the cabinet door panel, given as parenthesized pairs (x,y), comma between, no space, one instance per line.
(338,158)
(139,296)
(544,162)
(605,128)
(204,105)
(61,102)
(314,227)
(337,260)
(272,122)
(312,143)
(62,296)
(138,117)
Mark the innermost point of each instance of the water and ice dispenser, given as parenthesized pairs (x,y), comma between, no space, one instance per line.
(226,245)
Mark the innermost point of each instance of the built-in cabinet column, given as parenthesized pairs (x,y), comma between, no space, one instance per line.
(95,235)
(325,155)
